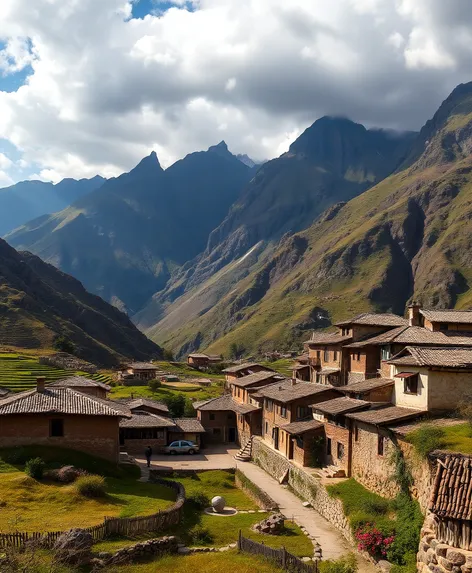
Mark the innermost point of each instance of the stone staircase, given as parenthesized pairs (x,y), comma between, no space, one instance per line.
(245,453)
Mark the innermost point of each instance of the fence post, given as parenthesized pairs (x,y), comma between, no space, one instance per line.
(284,558)
(239,540)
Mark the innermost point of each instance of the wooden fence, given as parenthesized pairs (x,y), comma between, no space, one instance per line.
(111,526)
(281,556)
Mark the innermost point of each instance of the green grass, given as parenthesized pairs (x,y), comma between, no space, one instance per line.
(30,505)
(163,392)
(205,562)
(455,438)
(284,366)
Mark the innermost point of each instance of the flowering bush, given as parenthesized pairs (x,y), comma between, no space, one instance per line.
(373,541)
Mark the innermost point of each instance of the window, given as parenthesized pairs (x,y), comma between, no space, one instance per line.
(345,331)
(266,428)
(328,446)
(410,384)
(444,326)
(380,445)
(212,416)
(356,433)
(358,356)
(239,392)
(318,354)
(335,355)
(56,428)
(160,434)
(269,405)
(282,434)
(326,355)
(302,412)
(340,451)
(386,352)
(283,411)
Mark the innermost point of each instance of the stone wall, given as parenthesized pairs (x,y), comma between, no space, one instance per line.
(437,557)
(263,500)
(143,551)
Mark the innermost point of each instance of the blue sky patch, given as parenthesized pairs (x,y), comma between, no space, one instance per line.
(142,8)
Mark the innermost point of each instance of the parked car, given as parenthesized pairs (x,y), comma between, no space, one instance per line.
(182,447)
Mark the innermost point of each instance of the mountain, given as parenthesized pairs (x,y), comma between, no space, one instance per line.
(333,161)
(247,160)
(38,302)
(30,199)
(406,237)
(125,239)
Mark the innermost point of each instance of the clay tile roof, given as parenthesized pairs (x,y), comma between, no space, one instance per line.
(458,316)
(78,382)
(385,415)
(451,492)
(223,403)
(367,385)
(245,366)
(142,419)
(341,405)
(302,427)
(189,425)
(373,319)
(417,335)
(460,358)
(142,366)
(137,403)
(286,391)
(60,401)
(328,338)
(246,381)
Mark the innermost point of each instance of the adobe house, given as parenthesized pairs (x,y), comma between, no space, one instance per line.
(337,431)
(227,421)
(147,405)
(301,369)
(85,385)
(61,417)
(373,442)
(299,441)
(143,371)
(240,370)
(440,320)
(330,357)
(285,403)
(372,390)
(144,429)
(197,360)
(432,379)
(187,429)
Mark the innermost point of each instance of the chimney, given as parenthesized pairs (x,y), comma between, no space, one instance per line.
(414,313)
(40,384)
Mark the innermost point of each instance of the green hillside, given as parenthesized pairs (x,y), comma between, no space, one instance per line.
(18,372)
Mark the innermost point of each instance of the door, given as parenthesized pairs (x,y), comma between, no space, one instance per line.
(290,448)
(276,438)
(231,435)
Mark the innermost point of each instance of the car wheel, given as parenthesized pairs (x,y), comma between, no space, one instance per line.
(191,452)
(173,452)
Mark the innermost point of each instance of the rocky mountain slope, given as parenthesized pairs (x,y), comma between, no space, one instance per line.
(408,236)
(333,160)
(38,302)
(30,199)
(124,240)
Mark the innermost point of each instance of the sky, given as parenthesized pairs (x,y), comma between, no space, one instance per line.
(91,86)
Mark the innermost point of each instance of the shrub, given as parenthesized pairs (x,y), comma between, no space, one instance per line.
(35,468)
(200,536)
(426,439)
(176,405)
(346,564)
(199,500)
(154,385)
(408,526)
(91,486)
(371,539)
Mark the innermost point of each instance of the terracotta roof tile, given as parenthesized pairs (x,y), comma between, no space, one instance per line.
(78,382)
(385,415)
(328,338)
(137,403)
(456,358)
(188,425)
(250,379)
(286,391)
(146,420)
(60,401)
(342,405)
(367,385)
(302,427)
(458,316)
(374,319)
(416,335)
(451,492)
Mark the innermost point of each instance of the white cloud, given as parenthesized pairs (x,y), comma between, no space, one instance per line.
(5,179)
(106,89)
(5,162)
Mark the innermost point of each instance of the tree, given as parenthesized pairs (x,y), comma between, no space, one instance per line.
(154,385)
(176,405)
(167,355)
(236,350)
(64,344)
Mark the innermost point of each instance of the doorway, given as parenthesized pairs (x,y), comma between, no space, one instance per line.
(276,438)
(231,435)
(290,448)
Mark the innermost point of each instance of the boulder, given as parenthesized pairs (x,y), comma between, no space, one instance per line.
(74,547)
(273,525)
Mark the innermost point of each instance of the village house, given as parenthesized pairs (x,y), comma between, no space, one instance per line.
(143,371)
(85,385)
(202,360)
(61,417)
(372,390)
(337,431)
(219,417)
(331,361)
(240,370)
(432,379)
(441,320)
(147,405)
(301,368)
(285,405)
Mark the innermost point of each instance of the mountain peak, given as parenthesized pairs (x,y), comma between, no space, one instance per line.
(149,163)
(221,149)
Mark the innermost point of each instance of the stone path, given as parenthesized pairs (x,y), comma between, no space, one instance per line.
(332,542)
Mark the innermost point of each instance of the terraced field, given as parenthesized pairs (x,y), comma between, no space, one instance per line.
(19,372)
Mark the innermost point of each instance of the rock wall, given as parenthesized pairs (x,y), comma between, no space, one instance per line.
(437,557)
(143,551)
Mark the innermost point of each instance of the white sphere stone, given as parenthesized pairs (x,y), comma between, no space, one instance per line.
(218,504)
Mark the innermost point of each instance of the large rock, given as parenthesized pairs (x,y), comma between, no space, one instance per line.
(66,474)
(218,504)
(273,525)
(74,547)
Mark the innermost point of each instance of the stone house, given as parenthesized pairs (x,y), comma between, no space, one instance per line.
(331,360)
(338,430)
(301,368)
(432,379)
(373,442)
(285,403)
(82,384)
(62,417)
(441,320)
(197,360)
(297,441)
(240,370)
(143,371)
(227,421)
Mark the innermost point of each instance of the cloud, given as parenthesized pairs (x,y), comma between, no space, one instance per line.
(107,88)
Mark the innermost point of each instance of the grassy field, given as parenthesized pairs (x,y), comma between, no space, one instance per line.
(284,366)
(30,505)
(195,393)
(454,438)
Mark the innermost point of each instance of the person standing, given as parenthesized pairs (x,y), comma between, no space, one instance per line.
(148,454)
